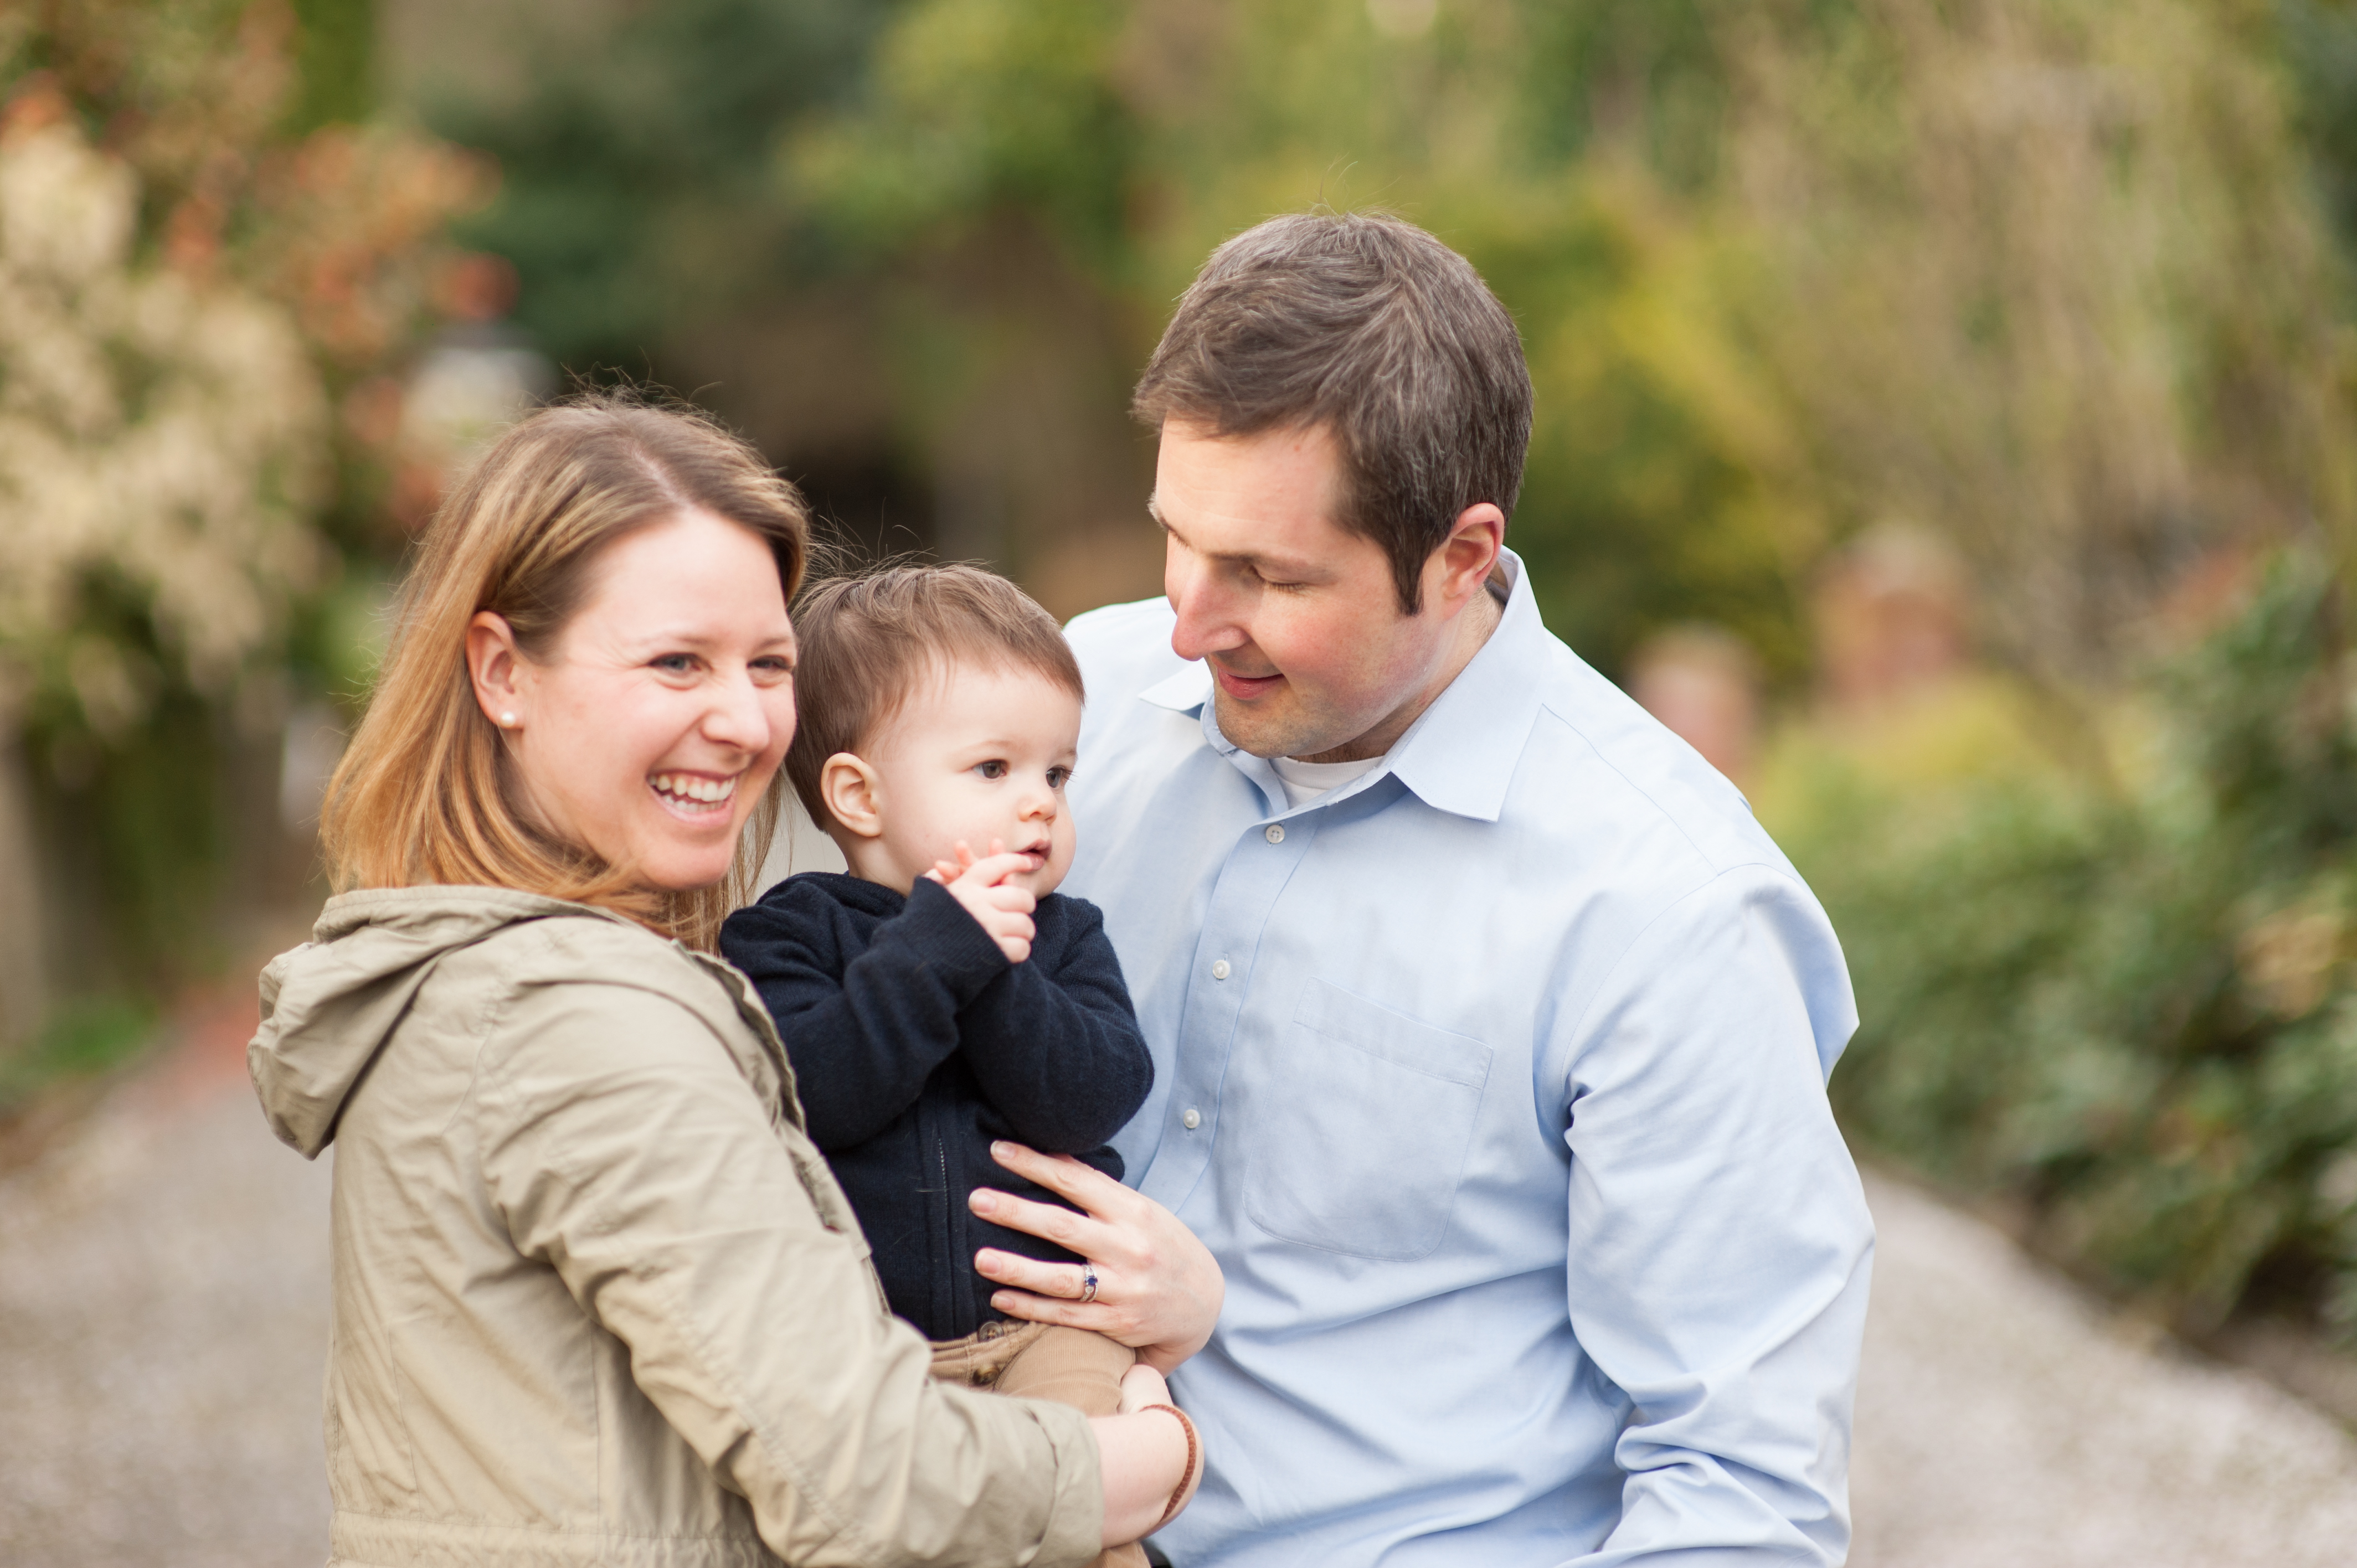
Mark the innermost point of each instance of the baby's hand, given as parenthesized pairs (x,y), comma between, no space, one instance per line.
(981,885)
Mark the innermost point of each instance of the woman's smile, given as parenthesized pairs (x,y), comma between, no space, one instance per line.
(694,795)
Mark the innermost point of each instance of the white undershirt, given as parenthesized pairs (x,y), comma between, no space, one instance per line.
(1305,781)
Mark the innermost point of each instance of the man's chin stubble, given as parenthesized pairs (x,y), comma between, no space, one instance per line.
(1272,733)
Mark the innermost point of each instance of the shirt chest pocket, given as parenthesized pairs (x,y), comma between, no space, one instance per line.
(1361,1133)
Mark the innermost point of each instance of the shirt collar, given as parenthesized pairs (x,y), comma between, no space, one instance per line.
(1459,755)
(1189,689)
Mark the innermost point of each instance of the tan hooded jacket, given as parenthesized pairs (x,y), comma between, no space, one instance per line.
(596,1297)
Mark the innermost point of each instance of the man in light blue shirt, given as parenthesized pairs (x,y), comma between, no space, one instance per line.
(1490,1032)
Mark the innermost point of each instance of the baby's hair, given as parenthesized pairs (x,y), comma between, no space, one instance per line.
(867,640)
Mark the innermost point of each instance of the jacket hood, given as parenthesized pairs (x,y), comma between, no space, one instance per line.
(328,1006)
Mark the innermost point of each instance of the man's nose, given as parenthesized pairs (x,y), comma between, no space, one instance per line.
(1207,611)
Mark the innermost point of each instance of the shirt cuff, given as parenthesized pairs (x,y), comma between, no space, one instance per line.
(949,942)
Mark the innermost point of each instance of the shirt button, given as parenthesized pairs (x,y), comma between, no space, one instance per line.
(1219,970)
(1192,1120)
(1275,832)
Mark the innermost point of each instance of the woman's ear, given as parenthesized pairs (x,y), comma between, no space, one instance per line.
(848,787)
(497,667)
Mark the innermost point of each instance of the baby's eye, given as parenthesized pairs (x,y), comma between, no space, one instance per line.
(1058,777)
(994,768)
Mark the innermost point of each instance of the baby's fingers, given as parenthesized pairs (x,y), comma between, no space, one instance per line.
(992,872)
(1013,899)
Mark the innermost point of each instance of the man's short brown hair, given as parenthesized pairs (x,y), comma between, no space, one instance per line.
(867,642)
(1362,323)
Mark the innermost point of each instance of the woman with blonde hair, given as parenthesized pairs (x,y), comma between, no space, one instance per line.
(596,1297)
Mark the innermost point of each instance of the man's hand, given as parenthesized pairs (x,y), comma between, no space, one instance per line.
(1159,1289)
(981,885)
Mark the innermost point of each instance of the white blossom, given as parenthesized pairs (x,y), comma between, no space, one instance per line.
(165,432)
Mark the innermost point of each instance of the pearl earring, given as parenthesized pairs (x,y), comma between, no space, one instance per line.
(507,720)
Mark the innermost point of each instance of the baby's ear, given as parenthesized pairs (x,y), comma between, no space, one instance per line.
(849,788)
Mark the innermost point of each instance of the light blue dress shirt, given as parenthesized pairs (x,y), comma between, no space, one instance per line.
(1495,1080)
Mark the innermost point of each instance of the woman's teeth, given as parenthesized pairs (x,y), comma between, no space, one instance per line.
(693,789)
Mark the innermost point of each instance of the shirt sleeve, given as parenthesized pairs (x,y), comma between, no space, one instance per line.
(1720,1243)
(864,1033)
(1058,1052)
(626,1149)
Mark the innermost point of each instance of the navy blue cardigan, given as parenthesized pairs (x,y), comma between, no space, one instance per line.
(915,1043)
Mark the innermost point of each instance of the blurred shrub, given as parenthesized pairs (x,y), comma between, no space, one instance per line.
(80,1039)
(2128,1009)
(164,435)
(2050,276)
(636,201)
(198,271)
(2319,54)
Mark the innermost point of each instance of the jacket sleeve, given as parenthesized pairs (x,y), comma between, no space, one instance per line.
(626,1149)
(1058,1051)
(863,1035)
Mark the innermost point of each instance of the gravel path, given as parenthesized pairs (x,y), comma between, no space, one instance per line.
(163,1325)
(2004,1420)
(162,1331)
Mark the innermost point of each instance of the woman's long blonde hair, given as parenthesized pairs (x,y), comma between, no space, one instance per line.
(422,794)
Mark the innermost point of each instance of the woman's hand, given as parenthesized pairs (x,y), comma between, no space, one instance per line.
(1151,1460)
(1158,1288)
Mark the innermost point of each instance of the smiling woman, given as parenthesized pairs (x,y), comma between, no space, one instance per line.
(669,689)
(612,575)
(597,1296)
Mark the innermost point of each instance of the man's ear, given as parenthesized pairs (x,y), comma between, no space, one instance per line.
(1461,567)
(848,787)
(501,673)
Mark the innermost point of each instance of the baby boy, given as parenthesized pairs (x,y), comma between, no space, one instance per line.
(943,994)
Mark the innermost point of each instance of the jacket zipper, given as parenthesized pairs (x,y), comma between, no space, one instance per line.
(949,1235)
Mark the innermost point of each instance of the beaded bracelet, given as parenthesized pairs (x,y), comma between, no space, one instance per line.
(1186,1476)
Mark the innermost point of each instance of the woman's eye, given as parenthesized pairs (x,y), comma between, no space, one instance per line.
(676,663)
(991,770)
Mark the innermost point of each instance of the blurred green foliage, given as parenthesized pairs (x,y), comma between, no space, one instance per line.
(2319,48)
(2048,276)
(2128,1011)
(334,63)
(636,201)
(82,1039)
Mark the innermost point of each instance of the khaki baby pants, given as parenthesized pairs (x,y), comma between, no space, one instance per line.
(1044,1362)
